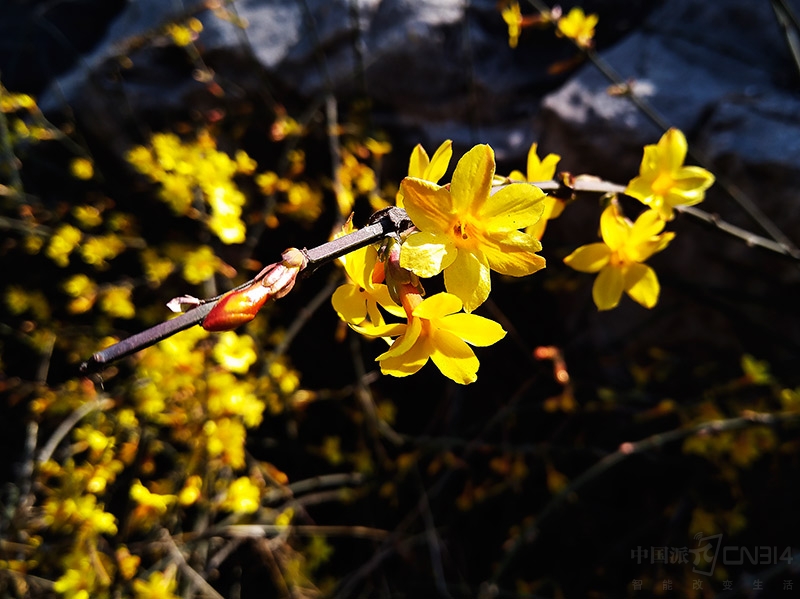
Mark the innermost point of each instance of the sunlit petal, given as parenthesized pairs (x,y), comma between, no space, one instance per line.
(642,285)
(607,288)
(515,206)
(472,328)
(426,254)
(613,227)
(589,258)
(672,149)
(472,180)
(468,278)
(429,206)
(454,358)
(437,306)
(439,163)
(513,253)
(418,163)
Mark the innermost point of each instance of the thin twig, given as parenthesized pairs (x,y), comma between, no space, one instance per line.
(739,196)
(68,423)
(193,575)
(530,533)
(583,183)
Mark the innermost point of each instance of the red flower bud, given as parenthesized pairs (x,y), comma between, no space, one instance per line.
(240,306)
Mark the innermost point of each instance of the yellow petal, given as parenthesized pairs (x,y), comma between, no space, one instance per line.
(472,180)
(649,167)
(644,250)
(544,170)
(405,364)
(418,162)
(439,163)
(536,230)
(512,253)
(640,188)
(516,176)
(553,207)
(472,328)
(613,227)
(384,330)
(349,304)
(427,254)
(404,343)
(468,278)
(429,205)
(454,358)
(607,288)
(515,206)
(646,226)
(672,149)
(380,293)
(437,306)
(641,284)
(589,258)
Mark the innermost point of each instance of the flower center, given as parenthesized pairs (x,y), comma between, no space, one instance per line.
(460,230)
(619,258)
(663,183)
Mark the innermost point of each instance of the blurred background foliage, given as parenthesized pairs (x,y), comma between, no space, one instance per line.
(276,460)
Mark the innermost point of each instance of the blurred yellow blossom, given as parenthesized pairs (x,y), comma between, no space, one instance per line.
(242,497)
(235,352)
(512,15)
(88,216)
(156,268)
(159,585)
(578,26)
(618,259)
(540,170)
(116,301)
(65,239)
(199,265)
(663,182)
(192,490)
(229,396)
(149,506)
(81,168)
(96,250)
(225,439)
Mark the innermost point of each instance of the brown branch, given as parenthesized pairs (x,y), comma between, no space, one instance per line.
(531,532)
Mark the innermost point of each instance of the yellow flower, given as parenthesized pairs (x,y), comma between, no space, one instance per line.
(160,585)
(88,216)
(235,352)
(466,231)
(512,15)
(618,259)
(664,182)
(191,491)
(116,301)
(81,168)
(357,301)
(225,438)
(541,170)
(428,169)
(96,250)
(578,26)
(64,240)
(149,506)
(200,265)
(434,331)
(228,226)
(243,497)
